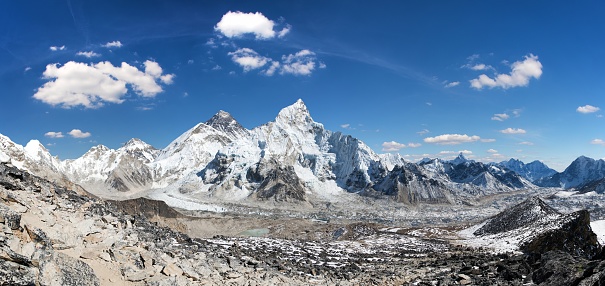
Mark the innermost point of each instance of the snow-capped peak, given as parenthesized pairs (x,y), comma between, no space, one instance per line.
(459,160)
(136,144)
(295,113)
(224,122)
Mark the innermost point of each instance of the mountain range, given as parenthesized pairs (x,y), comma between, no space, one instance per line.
(290,159)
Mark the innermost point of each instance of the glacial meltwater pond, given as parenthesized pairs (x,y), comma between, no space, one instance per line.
(255,232)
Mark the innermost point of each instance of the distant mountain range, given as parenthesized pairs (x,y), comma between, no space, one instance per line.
(290,159)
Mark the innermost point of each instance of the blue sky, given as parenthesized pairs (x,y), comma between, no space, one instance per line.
(494,79)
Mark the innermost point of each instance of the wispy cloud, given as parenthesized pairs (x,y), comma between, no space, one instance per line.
(451,84)
(89,54)
(500,116)
(598,142)
(57,48)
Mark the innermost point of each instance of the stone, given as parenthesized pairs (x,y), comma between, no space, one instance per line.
(105,256)
(60,269)
(172,269)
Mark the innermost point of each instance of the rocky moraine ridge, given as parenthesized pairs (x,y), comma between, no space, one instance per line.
(52,235)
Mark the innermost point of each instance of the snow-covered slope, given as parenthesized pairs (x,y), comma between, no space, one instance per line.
(533,171)
(125,169)
(580,172)
(292,158)
(534,227)
(33,158)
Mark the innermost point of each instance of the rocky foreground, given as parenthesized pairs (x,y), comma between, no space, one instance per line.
(52,235)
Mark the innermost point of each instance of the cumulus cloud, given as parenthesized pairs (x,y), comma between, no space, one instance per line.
(598,142)
(513,131)
(237,24)
(392,146)
(500,116)
(92,85)
(89,54)
(301,63)
(451,139)
(493,151)
(451,84)
(248,59)
(77,133)
(52,134)
(521,73)
(346,126)
(480,67)
(414,145)
(56,48)
(587,109)
(272,68)
(114,44)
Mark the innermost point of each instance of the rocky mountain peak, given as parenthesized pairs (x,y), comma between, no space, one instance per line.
(523,214)
(223,121)
(459,160)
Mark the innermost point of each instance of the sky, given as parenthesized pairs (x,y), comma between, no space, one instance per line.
(490,79)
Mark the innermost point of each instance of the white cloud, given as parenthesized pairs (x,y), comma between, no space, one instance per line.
(513,131)
(488,140)
(464,152)
(89,55)
(92,85)
(500,116)
(152,68)
(345,126)
(493,151)
(526,143)
(598,142)
(452,84)
(237,24)
(322,65)
(217,68)
(27,69)
(423,131)
(52,134)
(56,48)
(521,73)
(190,62)
(587,109)
(114,44)
(248,59)
(414,145)
(392,146)
(77,133)
(167,78)
(516,112)
(301,63)
(284,31)
(480,67)
(271,70)
(451,139)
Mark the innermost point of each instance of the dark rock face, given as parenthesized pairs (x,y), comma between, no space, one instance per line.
(574,237)
(281,184)
(410,186)
(523,214)
(148,207)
